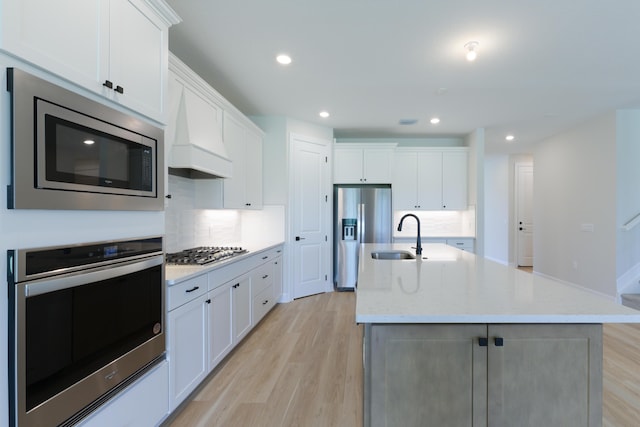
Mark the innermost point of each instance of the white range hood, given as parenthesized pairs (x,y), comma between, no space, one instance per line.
(198,150)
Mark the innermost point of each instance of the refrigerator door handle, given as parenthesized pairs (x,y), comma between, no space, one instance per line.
(361,229)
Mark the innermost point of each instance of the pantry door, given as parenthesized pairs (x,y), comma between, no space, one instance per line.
(310,215)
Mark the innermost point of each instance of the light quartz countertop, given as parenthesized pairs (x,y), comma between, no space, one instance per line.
(454,286)
(178,273)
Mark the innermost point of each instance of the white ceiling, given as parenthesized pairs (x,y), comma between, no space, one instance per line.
(543,66)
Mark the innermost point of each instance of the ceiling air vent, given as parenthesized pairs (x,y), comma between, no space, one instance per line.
(407,122)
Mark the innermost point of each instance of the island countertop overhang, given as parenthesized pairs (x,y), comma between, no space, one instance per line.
(454,286)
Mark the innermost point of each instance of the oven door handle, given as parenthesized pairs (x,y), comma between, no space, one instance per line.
(52,284)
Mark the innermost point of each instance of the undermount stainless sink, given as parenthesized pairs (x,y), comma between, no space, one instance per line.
(392,255)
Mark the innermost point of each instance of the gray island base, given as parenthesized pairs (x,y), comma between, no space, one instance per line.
(457,340)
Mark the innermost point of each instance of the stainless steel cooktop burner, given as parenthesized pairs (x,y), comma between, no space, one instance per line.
(204,255)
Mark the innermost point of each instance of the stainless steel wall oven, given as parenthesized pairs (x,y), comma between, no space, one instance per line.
(70,152)
(84,321)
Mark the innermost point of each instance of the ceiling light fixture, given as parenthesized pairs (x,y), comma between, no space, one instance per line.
(471,47)
(324,114)
(435,121)
(283,59)
(89,141)
(509,137)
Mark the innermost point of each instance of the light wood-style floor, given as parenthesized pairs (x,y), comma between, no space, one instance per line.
(302,366)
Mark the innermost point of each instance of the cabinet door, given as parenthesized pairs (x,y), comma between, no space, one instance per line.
(277,278)
(62,36)
(187,350)
(405,181)
(430,181)
(347,166)
(138,57)
(421,375)
(545,375)
(241,295)
(220,324)
(377,166)
(253,170)
(454,180)
(234,188)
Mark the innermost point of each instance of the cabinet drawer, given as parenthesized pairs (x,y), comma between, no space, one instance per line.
(463,244)
(186,291)
(261,277)
(262,303)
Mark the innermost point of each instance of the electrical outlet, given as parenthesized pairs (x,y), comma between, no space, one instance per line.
(588,228)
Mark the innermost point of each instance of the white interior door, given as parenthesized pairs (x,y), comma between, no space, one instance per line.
(310,214)
(524,214)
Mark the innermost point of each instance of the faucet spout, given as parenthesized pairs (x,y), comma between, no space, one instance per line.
(419,240)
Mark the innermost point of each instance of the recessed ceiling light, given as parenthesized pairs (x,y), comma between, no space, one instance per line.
(509,137)
(324,114)
(435,121)
(283,59)
(472,52)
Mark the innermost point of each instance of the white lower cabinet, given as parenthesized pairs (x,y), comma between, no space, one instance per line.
(220,325)
(277,277)
(464,244)
(211,313)
(187,349)
(143,403)
(241,297)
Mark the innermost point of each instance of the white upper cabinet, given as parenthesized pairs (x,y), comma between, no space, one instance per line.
(244,146)
(454,180)
(362,165)
(115,48)
(430,179)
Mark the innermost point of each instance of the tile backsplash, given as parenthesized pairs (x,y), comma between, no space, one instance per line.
(437,223)
(187,226)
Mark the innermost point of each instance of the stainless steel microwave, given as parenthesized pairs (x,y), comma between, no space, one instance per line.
(69,152)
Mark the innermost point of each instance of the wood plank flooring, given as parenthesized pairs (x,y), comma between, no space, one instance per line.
(302,366)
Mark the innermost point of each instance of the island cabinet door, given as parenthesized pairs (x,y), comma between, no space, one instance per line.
(425,375)
(545,375)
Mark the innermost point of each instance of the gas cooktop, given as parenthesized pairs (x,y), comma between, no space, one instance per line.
(204,255)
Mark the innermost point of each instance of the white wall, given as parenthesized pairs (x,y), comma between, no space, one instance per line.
(575,184)
(496,208)
(628,199)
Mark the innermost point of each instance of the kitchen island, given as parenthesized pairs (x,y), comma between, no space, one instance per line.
(457,340)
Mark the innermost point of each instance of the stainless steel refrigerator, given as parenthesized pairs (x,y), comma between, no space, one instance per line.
(362,214)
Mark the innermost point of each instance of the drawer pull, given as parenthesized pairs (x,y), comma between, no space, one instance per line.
(499,342)
(265,276)
(237,285)
(265,257)
(208,301)
(195,288)
(483,342)
(265,302)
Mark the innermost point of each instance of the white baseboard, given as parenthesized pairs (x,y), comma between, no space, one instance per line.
(499,261)
(575,285)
